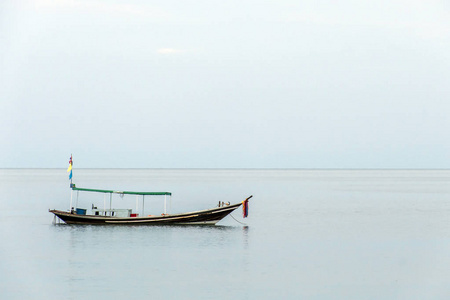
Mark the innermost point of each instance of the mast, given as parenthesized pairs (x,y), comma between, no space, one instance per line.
(69,169)
(71,196)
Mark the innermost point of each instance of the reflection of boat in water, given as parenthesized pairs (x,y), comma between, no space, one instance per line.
(127,217)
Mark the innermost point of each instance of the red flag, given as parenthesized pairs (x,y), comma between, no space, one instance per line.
(245,208)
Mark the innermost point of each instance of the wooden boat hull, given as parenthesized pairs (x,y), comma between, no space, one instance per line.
(203,217)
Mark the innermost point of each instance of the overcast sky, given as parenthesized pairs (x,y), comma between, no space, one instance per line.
(225,84)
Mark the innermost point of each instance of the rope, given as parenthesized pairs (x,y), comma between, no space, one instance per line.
(237,220)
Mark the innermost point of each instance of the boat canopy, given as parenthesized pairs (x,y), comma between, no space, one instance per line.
(122,192)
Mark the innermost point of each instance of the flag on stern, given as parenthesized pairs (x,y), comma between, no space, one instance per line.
(245,208)
(69,169)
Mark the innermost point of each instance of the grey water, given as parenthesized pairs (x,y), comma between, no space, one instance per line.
(310,234)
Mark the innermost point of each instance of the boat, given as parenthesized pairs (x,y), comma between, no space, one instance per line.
(111,216)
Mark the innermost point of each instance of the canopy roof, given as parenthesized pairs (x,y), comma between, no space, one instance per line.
(122,192)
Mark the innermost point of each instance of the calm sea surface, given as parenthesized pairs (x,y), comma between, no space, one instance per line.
(311,234)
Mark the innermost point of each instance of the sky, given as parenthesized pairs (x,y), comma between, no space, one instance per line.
(224,84)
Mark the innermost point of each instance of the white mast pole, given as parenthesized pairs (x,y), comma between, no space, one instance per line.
(71,186)
(165,204)
(71,196)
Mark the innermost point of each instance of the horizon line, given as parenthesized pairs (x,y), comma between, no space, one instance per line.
(208,168)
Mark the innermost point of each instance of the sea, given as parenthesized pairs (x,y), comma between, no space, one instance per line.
(310,234)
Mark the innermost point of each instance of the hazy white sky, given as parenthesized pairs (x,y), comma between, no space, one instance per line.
(237,84)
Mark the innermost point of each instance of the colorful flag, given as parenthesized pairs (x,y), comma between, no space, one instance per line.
(69,169)
(245,208)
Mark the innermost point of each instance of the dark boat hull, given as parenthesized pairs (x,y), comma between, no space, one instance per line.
(203,217)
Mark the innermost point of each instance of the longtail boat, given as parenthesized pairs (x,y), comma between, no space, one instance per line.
(128,217)
(111,216)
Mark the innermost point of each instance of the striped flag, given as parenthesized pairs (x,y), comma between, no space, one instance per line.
(69,169)
(245,208)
